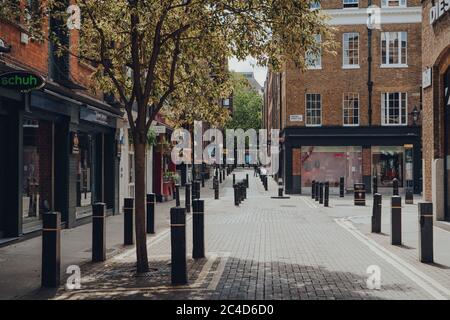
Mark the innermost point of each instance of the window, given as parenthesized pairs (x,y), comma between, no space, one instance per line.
(314,5)
(350,3)
(351,109)
(393,3)
(313,109)
(388,164)
(394,108)
(327,163)
(314,59)
(394,48)
(351,50)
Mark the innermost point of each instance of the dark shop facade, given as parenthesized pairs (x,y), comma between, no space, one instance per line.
(58,152)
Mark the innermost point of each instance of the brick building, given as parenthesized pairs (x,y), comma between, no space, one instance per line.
(58,144)
(355,114)
(436,103)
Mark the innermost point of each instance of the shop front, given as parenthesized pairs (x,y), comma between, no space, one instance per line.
(58,154)
(357,154)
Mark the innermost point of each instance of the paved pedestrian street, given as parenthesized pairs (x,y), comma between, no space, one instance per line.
(275,249)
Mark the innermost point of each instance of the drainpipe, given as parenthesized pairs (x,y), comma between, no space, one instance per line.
(369,62)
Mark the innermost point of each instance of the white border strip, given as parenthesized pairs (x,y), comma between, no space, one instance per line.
(428,284)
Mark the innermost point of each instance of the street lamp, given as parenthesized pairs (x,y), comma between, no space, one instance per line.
(415,114)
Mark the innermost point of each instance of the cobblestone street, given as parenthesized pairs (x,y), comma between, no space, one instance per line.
(276,249)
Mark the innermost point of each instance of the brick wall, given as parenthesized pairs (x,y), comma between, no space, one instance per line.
(332,80)
(436,55)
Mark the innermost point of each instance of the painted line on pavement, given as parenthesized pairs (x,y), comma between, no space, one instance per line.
(428,284)
(220,269)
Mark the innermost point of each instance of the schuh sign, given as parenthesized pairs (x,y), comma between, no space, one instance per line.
(21,81)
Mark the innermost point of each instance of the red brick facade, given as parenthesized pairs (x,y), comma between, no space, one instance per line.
(436,57)
(285,92)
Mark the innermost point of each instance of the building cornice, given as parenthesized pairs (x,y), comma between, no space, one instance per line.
(387,16)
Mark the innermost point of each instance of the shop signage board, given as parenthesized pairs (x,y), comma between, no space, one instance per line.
(158,129)
(426,78)
(296,118)
(439,10)
(22,81)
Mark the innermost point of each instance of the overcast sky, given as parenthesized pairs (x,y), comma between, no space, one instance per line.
(247,66)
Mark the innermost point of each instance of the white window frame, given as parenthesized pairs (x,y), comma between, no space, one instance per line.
(317,58)
(346,106)
(307,119)
(350,2)
(387,3)
(385,112)
(344,65)
(387,35)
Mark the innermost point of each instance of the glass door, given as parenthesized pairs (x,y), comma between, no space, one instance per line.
(2,175)
(447,143)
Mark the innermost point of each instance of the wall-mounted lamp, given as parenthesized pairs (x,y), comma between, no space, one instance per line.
(415,114)
(4,47)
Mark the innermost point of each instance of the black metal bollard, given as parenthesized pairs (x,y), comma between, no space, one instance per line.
(203,180)
(376,213)
(395,188)
(426,254)
(128,216)
(266,184)
(151,198)
(396,221)
(98,232)
(51,250)
(246,181)
(374,185)
(313,189)
(199,189)
(317,193)
(234,179)
(409,197)
(360,194)
(236,195)
(244,190)
(321,193)
(220,176)
(327,194)
(342,187)
(178,245)
(187,198)
(198,229)
(216,190)
(280,188)
(177,195)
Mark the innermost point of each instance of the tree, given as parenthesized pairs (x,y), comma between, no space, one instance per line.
(247,105)
(152,53)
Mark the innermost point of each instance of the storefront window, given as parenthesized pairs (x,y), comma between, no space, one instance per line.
(388,163)
(84,184)
(37,172)
(329,164)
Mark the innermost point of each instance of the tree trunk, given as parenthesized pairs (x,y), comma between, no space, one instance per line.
(140,206)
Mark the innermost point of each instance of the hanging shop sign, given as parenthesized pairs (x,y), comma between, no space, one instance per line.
(22,81)
(441,8)
(75,143)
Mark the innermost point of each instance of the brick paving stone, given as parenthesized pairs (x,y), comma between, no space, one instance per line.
(264,249)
